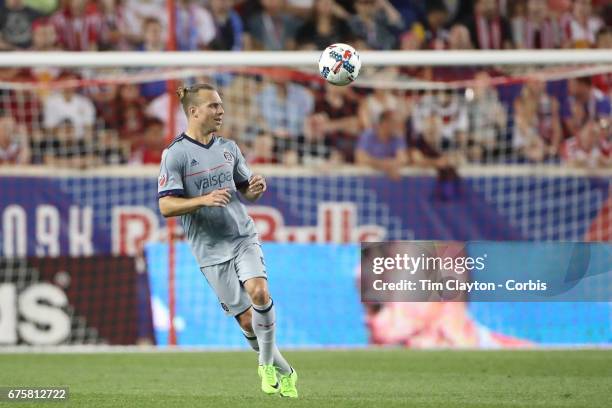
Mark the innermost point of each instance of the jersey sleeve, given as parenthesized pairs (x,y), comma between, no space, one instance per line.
(170,181)
(242,172)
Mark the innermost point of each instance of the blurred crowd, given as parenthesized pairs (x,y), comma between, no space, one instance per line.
(283,117)
(142,25)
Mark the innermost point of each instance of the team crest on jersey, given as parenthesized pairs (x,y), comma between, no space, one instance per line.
(228,156)
(162,180)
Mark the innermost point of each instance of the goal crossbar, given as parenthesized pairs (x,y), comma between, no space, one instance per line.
(301,58)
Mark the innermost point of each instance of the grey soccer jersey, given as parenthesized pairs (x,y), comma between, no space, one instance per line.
(190,169)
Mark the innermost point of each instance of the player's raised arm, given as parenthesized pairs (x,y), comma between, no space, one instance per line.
(255,188)
(250,186)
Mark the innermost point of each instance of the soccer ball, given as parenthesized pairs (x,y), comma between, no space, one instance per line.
(339,64)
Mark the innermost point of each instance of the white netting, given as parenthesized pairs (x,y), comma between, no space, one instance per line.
(466,113)
(494,153)
(555,116)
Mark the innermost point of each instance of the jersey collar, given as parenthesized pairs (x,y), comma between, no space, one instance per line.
(206,146)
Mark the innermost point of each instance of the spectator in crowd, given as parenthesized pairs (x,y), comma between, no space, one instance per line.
(263,150)
(487,120)
(336,116)
(126,113)
(195,27)
(113,26)
(536,28)
(378,23)
(284,105)
(330,135)
(517,15)
(459,38)
(104,97)
(110,150)
(436,34)
(376,103)
(246,121)
(420,112)
(425,152)
(588,148)
(135,12)
(446,114)
(152,41)
(148,148)
(583,103)
(67,104)
(228,26)
(314,146)
(412,40)
(63,148)
(271,29)
(603,82)
(488,29)
(581,27)
(16,25)
(604,38)
(383,147)
(14,144)
(44,36)
(152,35)
(537,128)
(324,27)
(456,38)
(78,25)
(22,104)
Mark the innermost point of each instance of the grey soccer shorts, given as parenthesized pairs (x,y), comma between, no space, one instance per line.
(226,279)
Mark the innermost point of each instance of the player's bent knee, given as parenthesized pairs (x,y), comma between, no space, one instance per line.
(260,296)
(257,289)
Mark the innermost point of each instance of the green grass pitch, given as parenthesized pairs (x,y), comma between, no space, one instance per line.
(359,378)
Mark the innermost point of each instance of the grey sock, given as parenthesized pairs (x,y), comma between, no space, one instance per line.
(280,363)
(278,360)
(263,326)
(252,340)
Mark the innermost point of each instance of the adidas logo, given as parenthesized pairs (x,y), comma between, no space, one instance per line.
(194,162)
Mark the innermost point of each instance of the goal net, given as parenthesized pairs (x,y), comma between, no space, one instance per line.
(504,152)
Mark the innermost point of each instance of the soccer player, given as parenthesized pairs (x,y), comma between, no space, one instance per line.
(200,176)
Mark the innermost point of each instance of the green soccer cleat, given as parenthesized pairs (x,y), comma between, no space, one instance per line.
(287,384)
(269,382)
